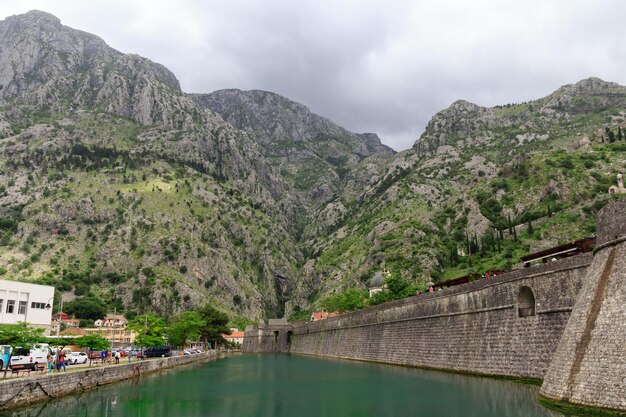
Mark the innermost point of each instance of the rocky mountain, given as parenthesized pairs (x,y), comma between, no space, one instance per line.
(310,152)
(118,187)
(493,183)
(116,184)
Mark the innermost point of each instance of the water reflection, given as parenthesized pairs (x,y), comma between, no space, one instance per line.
(294,386)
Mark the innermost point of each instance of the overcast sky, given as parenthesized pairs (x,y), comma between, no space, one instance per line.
(371,66)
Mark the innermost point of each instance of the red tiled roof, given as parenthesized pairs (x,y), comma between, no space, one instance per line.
(233,335)
(323,315)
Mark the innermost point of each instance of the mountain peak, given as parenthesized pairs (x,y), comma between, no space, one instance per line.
(588,86)
(48,65)
(38,16)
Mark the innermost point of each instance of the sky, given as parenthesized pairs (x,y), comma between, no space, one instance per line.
(371,66)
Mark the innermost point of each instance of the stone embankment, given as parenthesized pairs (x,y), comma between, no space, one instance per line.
(21,391)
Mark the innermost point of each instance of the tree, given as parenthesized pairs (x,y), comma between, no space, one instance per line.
(611,137)
(185,326)
(150,328)
(348,300)
(215,324)
(20,335)
(88,307)
(92,342)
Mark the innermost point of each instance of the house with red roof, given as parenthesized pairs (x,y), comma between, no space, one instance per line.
(322,315)
(234,337)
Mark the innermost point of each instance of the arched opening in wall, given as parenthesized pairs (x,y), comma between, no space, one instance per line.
(289,335)
(526,302)
(276,336)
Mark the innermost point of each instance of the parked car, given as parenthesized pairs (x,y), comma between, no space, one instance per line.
(30,357)
(77,357)
(157,351)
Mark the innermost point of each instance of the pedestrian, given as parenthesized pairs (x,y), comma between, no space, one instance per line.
(117,356)
(50,360)
(103,356)
(61,362)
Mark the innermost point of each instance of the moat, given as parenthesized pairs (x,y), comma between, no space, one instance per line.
(267,385)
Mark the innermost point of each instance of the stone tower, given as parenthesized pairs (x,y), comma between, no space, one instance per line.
(589,365)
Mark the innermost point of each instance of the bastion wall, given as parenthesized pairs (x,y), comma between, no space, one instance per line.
(470,328)
(589,366)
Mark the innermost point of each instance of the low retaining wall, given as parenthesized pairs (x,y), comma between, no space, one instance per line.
(21,391)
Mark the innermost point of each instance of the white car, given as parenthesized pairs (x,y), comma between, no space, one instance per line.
(77,357)
(30,358)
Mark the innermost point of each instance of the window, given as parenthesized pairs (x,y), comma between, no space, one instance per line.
(1,302)
(38,305)
(10,306)
(22,307)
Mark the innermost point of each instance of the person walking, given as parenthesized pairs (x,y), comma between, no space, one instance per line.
(103,356)
(117,357)
(61,362)
(50,360)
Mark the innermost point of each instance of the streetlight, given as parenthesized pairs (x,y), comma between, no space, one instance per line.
(49,306)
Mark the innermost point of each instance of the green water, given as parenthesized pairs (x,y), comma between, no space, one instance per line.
(295,386)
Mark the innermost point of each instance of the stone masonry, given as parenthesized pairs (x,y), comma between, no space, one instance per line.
(20,391)
(474,328)
(589,366)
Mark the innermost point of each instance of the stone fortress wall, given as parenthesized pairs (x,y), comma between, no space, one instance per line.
(510,325)
(470,328)
(589,366)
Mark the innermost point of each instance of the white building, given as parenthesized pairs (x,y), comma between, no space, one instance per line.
(111,320)
(22,301)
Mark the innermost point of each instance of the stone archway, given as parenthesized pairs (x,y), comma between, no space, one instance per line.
(526,302)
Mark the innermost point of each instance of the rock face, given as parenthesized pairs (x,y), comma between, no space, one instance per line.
(276,119)
(51,66)
(311,152)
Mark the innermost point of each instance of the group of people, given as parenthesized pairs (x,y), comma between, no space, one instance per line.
(104,355)
(60,361)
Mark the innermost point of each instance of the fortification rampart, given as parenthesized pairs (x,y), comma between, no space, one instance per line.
(589,366)
(272,337)
(488,326)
